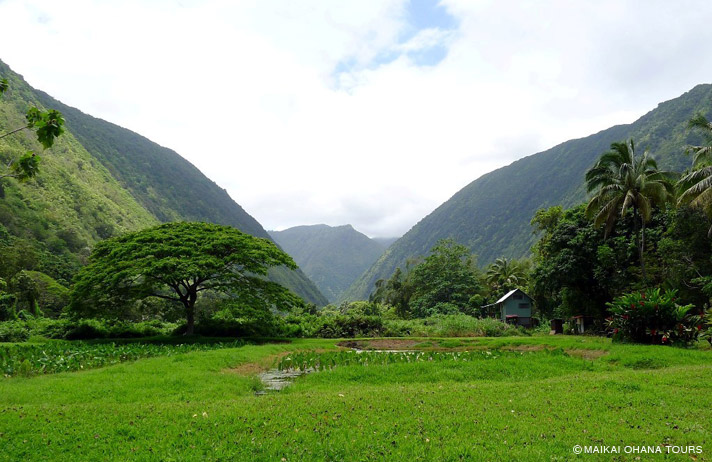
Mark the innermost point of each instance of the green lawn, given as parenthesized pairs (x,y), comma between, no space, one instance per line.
(537,399)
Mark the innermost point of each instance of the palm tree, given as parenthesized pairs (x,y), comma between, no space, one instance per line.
(621,181)
(506,274)
(695,186)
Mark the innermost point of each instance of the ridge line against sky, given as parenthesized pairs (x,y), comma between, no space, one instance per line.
(370,113)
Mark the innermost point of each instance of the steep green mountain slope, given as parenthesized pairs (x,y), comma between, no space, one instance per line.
(491,215)
(142,182)
(332,257)
(49,223)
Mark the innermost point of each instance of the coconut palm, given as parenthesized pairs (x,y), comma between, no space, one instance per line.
(506,274)
(695,185)
(621,181)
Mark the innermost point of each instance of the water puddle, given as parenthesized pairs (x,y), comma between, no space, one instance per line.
(276,380)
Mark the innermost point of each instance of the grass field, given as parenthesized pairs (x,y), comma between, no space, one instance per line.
(533,398)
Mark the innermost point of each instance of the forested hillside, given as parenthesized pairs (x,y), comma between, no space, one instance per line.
(99,180)
(491,215)
(332,257)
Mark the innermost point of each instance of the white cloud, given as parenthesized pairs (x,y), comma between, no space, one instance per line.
(289,106)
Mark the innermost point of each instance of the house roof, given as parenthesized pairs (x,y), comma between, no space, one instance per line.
(505,297)
(509,294)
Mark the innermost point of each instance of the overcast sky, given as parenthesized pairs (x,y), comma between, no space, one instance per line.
(370,113)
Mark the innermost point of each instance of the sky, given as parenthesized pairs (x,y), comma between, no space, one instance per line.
(363,112)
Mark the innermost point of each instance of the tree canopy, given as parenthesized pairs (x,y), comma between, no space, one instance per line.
(695,186)
(622,181)
(177,261)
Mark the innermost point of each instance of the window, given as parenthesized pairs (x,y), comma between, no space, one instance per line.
(523,306)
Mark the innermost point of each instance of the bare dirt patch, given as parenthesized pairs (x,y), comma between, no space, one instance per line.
(256,367)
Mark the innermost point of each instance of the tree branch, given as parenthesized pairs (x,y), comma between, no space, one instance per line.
(166,297)
(14,131)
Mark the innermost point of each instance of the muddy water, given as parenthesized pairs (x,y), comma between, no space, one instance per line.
(276,380)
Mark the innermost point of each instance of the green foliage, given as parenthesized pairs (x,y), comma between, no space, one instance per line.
(454,325)
(445,281)
(47,124)
(81,329)
(622,181)
(577,272)
(50,358)
(653,316)
(694,186)
(504,275)
(27,293)
(25,167)
(396,291)
(177,261)
(237,320)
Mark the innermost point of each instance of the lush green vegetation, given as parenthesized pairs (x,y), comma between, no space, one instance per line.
(178,261)
(533,398)
(491,215)
(98,181)
(332,257)
(48,358)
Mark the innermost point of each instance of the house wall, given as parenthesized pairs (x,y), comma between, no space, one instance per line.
(511,306)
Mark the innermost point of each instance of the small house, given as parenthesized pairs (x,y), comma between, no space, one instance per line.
(515,307)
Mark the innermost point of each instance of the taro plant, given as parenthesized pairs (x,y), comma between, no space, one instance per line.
(653,316)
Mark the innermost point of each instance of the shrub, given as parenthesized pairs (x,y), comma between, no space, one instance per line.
(13,331)
(82,329)
(458,325)
(349,326)
(653,317)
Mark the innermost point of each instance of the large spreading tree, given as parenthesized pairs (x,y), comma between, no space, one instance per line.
(178,261)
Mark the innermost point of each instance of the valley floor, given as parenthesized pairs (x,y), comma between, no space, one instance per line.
(536,399)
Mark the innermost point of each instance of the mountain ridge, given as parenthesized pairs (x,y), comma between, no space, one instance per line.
(491,214)
(332,256)
(159,181)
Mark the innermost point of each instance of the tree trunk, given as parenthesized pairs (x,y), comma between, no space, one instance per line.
(638,242)
(189,303)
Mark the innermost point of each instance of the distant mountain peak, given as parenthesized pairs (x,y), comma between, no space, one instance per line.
(332,256)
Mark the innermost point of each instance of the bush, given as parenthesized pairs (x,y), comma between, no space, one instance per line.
(653,317)
(83,329)
(234,320)
(455,325)
(13,331)
(349,326)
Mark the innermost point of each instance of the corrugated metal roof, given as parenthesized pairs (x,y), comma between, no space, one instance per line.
(506,296)
(509,294)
